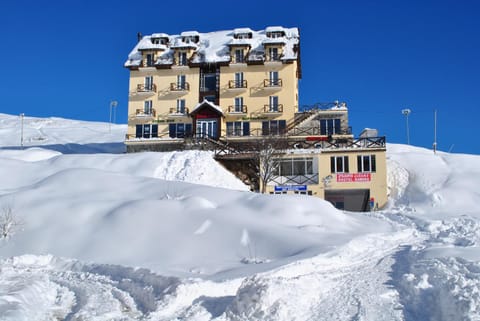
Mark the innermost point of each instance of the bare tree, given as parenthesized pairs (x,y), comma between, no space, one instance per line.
(267,152)
(9,223)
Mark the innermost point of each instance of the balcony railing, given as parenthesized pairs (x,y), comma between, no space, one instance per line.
(185,86)
(146,88)
(272,83)
(179,111)
(272,58)
(278,108)
(240,109)
(143,113)
(237,84)
(238,60)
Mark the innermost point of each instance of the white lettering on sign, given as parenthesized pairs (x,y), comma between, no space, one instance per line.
(357,177)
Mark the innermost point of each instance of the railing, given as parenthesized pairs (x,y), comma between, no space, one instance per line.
(237,60)
(315,130)
(232,84)
(278,108)
(142,113)
(271,58)
(146,88)
(148,63)
(179,111)
(272,83)
(179,86)
(237,109)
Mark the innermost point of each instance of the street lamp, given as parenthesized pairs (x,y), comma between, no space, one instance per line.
(22,115)
(407,112)
(113,105)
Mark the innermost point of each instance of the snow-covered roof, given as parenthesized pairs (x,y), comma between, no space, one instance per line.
(242,30)
(213,47)
(217,108)
(189,34)
(275,29)
(160,35)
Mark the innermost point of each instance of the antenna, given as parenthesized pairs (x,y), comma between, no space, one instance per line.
(407,112)
(435,131)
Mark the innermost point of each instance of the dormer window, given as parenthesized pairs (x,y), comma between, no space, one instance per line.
(190,37)
(239,56)
(276,34)
(182,58)
(243,33)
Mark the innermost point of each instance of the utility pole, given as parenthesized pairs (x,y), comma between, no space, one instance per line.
(22,115)
(113,105)
(435,131)
(407,112)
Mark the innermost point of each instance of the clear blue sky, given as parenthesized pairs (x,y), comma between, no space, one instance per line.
(65,58)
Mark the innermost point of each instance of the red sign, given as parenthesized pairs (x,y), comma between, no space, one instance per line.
(357,177)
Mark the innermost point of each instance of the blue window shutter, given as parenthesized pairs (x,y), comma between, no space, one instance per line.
(172,130)
(246,128)
(282,126)
(155,130)
(332,165)
(323,127)
(345,164)
(337,126)
(188,130)
(265,128)
(374,164)
(138,131)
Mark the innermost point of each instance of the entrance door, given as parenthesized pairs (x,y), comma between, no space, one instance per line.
(207,127)
(356,200)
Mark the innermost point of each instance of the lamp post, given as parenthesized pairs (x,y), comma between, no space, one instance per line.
(407,112)
(22,115)
(113,105)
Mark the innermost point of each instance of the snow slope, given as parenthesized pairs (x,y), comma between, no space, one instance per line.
(173,236)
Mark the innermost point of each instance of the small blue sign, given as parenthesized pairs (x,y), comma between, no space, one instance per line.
(285,188)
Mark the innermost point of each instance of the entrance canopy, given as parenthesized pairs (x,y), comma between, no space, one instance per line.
(206,109)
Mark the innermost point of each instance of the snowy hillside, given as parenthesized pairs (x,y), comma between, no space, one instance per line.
(103,235)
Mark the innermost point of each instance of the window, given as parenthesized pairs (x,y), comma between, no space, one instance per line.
(180,130)
(273,106)
(149,83)
(274,127)
(273,54)
(294,167)
(181,82)
(274,78)
(147,107)
(339,164)
(182,58)
(239,56)
(330,126)
(146,131)
(238,104)
(149,60)
(239,80)
(238,128)
(181,106)
(366,163)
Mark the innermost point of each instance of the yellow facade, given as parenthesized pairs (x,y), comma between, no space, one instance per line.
(239,86)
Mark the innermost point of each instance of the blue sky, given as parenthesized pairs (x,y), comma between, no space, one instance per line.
(65,58)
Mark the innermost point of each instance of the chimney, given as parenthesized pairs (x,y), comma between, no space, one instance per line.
(139,36)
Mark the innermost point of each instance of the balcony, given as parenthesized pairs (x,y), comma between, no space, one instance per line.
(273,109)
(236,60)
(237,85)
(272,60)
(178,112)
(146,89)
(237,109)
(180,87)
(272,84)
(147,114)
